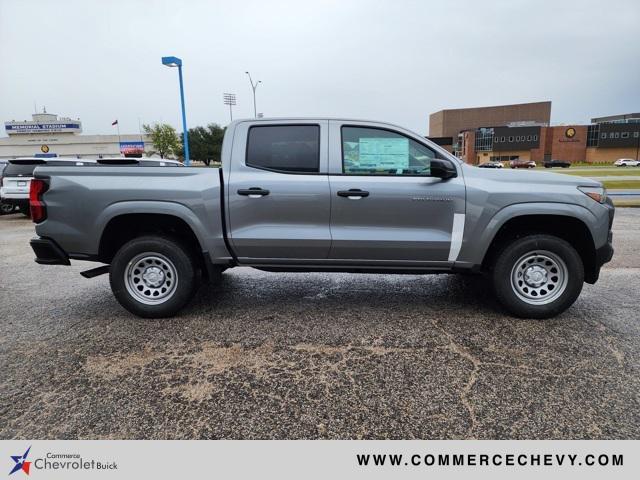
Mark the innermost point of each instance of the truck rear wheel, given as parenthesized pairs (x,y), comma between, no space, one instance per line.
(153,277)
(538,276)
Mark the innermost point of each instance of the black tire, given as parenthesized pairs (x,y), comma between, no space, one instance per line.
(6,209)
(173,266)
(560,290)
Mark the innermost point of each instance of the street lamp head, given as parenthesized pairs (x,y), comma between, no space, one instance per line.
(172,61)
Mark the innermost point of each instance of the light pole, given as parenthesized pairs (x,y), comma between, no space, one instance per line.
(229,99)
(253,87)
(176,62)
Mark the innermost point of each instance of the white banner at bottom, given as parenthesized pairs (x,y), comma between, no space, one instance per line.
(114,459)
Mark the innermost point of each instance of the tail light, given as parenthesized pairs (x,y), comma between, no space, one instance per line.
(36,205)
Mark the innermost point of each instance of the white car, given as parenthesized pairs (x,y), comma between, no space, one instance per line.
(17,175)
(626,162)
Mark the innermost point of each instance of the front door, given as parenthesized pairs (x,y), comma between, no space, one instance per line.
(278,192)
(387,209)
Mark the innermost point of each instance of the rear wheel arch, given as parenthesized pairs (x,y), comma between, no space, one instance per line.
(122,228)
(565,227)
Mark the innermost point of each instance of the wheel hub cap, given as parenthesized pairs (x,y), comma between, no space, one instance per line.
(539,277)
(151,278)
(535,276)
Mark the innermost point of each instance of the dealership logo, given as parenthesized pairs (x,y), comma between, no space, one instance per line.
(20,462)
(44,148)
(59,461)
(570,132)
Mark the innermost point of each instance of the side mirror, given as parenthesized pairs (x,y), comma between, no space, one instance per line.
(443,169)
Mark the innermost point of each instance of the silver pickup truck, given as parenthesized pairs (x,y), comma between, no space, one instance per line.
(308,195)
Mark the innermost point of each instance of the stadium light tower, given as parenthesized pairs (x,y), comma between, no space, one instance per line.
(176,62)
(229,99)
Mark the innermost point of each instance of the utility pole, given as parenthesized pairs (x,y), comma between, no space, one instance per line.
(229,99)
(253,87)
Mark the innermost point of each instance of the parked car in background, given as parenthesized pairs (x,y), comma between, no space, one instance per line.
(522,164)
(19,173)
(491,164)
(556,163)
(17,176)
(627,162)
(322,194)
(5,208)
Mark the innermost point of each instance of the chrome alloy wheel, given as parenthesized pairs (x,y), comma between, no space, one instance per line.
(151,278)
(539,277)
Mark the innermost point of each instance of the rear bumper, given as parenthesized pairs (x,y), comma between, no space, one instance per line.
(20,202)
(16,193)
(48,252)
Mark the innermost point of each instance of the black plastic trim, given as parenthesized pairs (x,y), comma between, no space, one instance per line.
(48,252)
(223,218)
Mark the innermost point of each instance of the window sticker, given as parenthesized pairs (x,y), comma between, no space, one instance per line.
(383,153)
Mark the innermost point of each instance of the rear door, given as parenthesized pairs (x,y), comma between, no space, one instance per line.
(387,209)
(278,192)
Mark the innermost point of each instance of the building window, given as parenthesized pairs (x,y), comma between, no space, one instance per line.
(610,134)
(593,132)
(617,135)
(484,139)
(496,139)
(636,134)
(625,135)
(290,148)
(502,139)
(511,138)
(528,138)
(535,138)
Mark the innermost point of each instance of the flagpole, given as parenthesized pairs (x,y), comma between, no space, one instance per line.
(119,141)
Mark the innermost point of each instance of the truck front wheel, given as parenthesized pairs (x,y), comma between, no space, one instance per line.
(538,276)
(153,276)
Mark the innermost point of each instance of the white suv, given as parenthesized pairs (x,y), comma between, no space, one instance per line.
(626,162)
(16,178)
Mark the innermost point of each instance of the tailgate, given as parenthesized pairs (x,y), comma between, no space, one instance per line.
(16,186)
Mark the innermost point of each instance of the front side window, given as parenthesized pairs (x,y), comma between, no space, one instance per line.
(284,148)
(374,151)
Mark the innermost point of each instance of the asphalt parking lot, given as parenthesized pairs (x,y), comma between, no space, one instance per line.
(267,355)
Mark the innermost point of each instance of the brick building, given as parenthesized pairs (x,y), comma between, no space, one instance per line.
(522,132)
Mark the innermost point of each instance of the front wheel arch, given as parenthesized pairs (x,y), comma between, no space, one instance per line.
(570,229)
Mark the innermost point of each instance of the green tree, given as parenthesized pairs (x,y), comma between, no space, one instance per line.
(205,143)
(165,139)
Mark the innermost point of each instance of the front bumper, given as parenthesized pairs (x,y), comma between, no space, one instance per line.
(48,252)
(605,253)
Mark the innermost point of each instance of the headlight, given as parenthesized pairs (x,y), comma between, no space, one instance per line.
(599,194)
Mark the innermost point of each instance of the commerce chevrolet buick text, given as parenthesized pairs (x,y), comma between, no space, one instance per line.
(324,195)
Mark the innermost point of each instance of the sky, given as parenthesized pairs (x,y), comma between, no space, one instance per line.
(395,61)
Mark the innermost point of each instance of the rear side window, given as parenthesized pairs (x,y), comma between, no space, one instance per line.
(19,170)
(284,148)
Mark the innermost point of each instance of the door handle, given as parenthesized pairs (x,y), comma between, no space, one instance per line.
(253,192)
(353,194)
